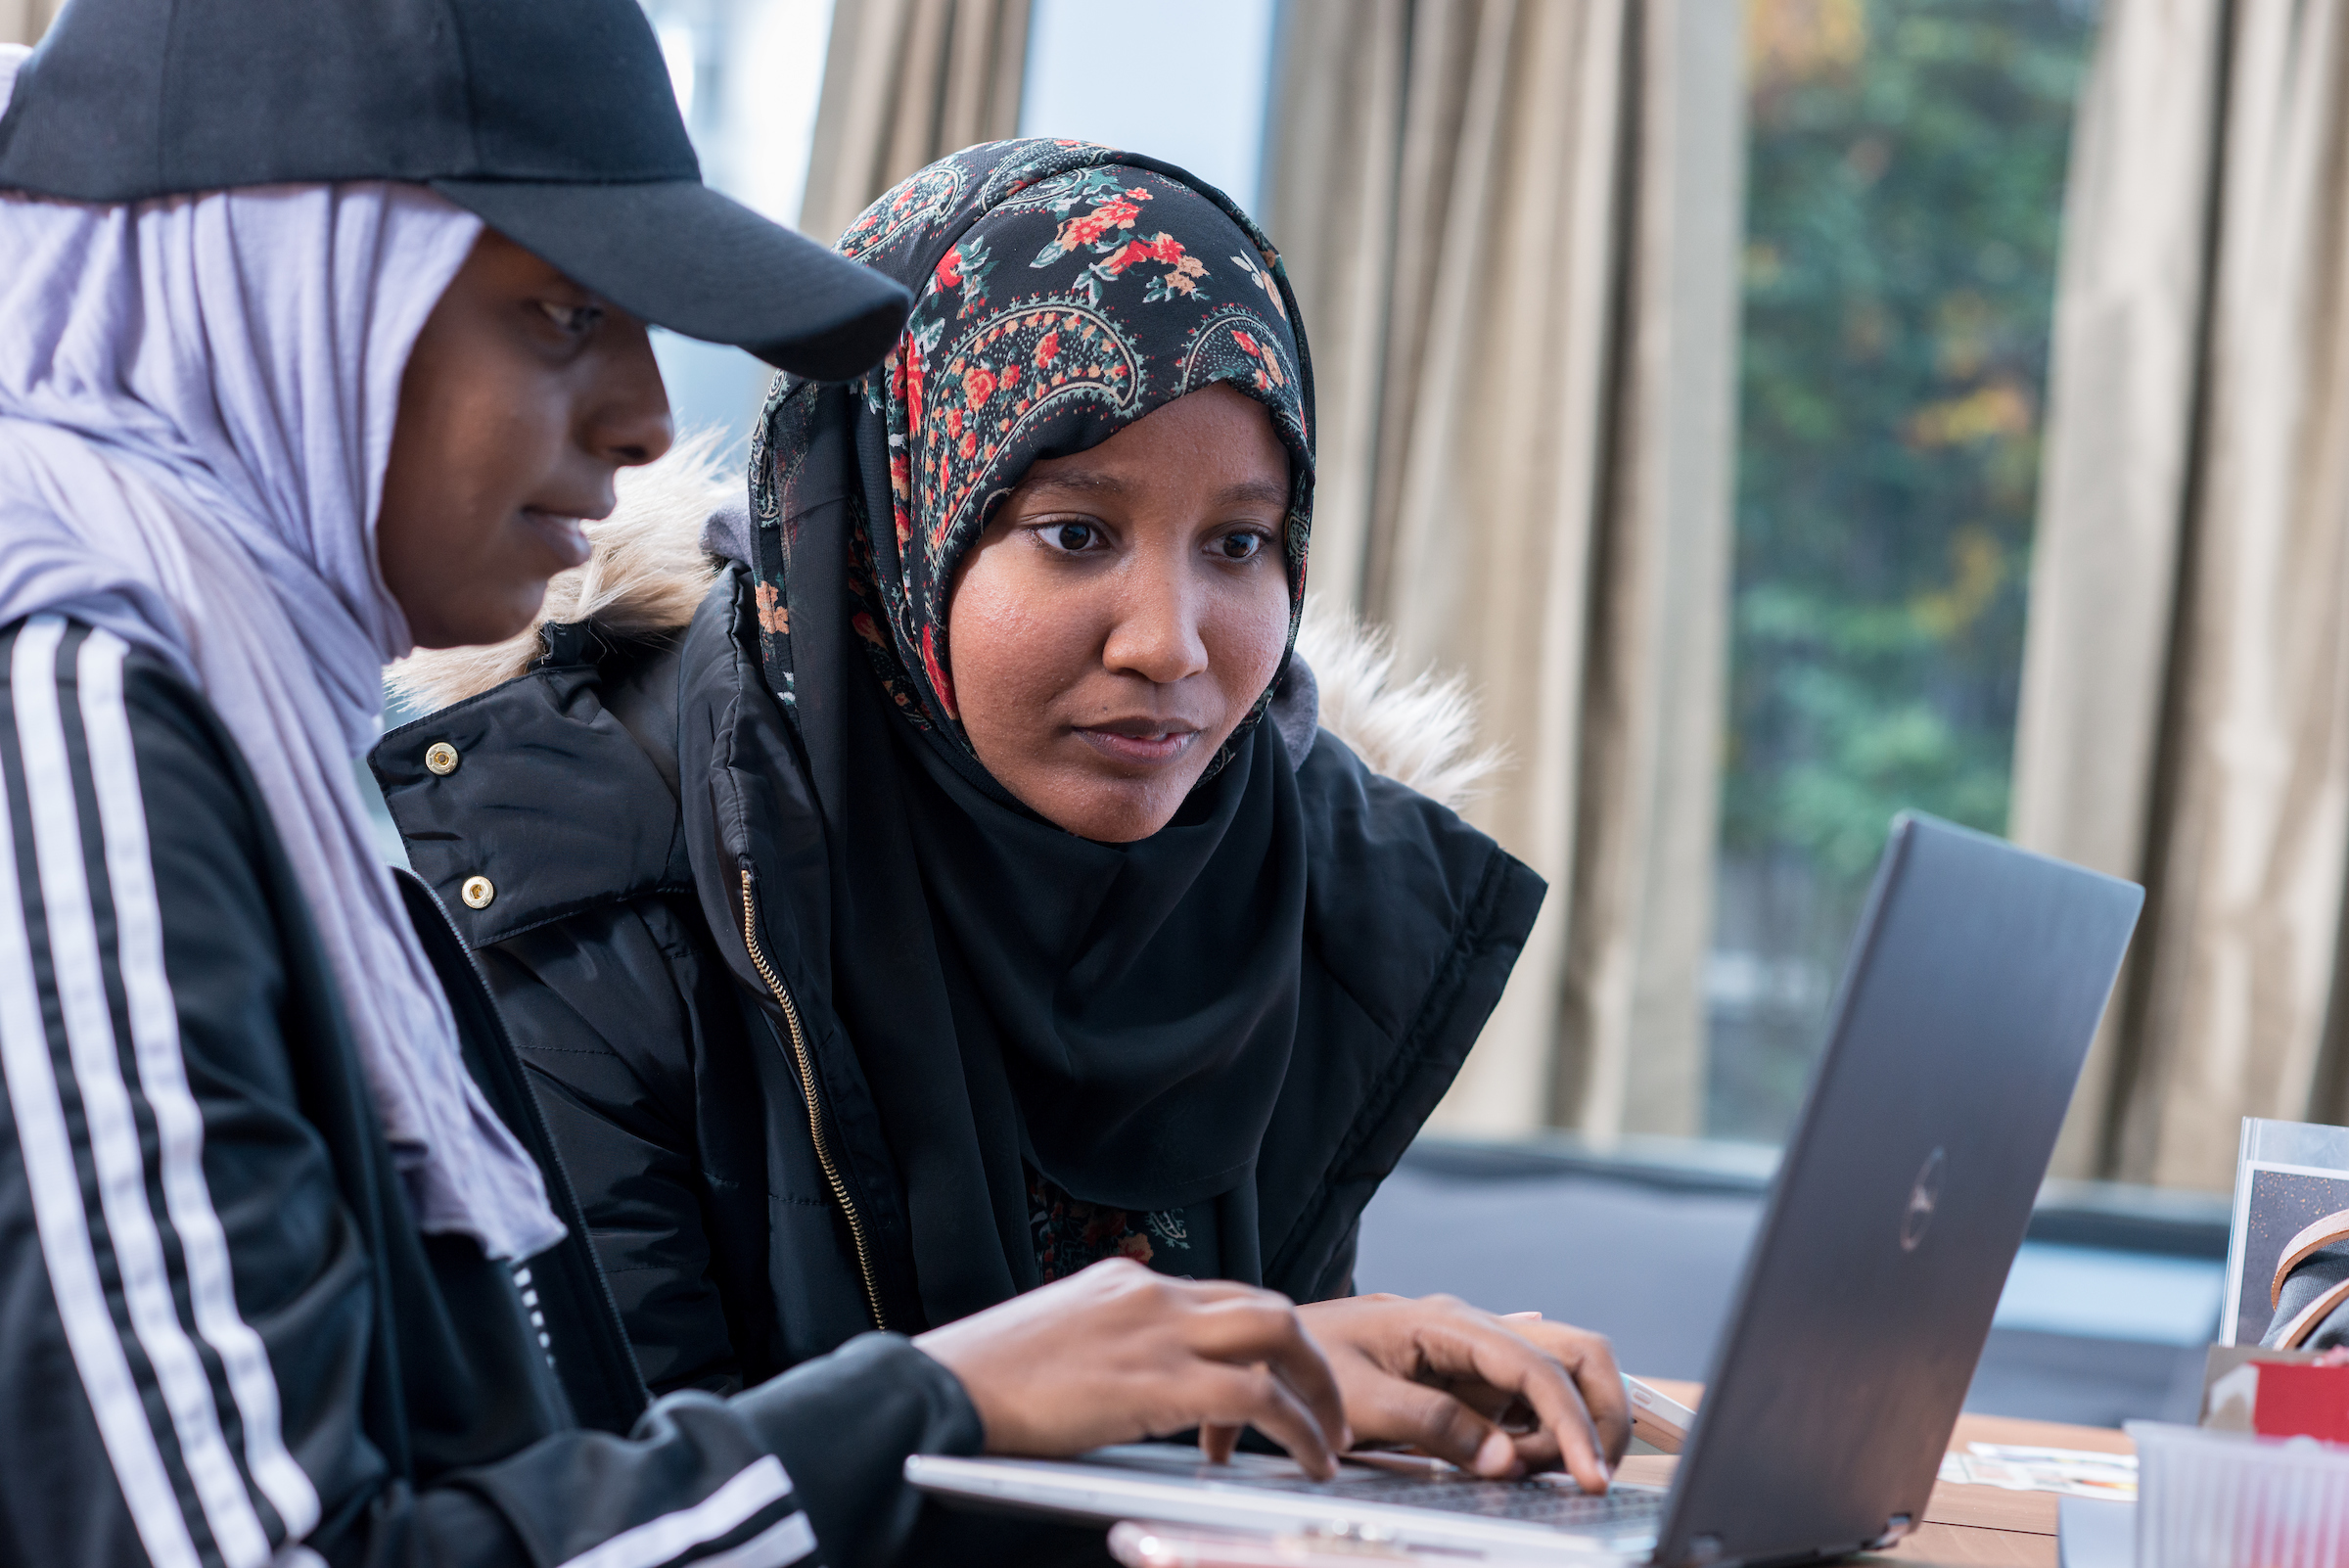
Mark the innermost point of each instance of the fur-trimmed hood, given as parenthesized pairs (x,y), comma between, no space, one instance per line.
(650,573)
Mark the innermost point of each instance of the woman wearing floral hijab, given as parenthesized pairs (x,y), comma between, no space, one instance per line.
(968,895)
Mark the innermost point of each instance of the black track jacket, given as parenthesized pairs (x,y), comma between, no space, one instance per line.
(225,1343)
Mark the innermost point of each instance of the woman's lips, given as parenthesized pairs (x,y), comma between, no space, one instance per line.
(1149,746)
(567,536)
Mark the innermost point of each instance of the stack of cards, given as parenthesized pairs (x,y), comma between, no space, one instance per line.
(2067,1472)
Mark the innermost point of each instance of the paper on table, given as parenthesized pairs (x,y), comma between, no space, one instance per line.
(2067,1472)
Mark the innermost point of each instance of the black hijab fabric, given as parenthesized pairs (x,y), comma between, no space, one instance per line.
(1118,1016)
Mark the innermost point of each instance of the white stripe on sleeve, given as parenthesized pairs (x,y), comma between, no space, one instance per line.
(55,1185)
(775,1547)
(758,1485)
(110,1118)
(164,1081)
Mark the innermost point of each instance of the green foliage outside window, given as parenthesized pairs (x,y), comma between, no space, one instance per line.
(1906,188)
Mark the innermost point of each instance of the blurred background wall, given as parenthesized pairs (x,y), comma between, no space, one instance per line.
(1786,412)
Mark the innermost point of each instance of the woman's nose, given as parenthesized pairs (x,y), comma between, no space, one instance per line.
(630,420)
(1157,635)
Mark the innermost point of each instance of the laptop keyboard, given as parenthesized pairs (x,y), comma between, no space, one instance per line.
(1529,1502)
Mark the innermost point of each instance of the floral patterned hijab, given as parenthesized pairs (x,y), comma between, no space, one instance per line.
(1062,292)
(1114,1019)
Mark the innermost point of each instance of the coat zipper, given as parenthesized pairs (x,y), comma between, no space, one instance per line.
(806,1065)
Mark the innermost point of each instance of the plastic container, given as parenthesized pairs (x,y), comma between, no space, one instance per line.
(2229,1499)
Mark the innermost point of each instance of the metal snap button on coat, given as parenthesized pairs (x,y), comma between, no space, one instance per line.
(477,892)
(441,756)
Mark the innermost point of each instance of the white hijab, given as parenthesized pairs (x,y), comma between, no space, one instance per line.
(197,396)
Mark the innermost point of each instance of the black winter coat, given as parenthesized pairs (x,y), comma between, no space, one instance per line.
(223,1333)
(636,811)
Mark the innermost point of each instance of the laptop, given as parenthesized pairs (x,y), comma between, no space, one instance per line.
(1967,1006)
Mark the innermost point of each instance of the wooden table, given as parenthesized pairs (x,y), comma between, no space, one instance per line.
(1964,1527)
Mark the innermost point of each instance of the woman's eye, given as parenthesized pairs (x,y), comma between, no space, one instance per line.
(1241,546)
(575,319)
(1071,536)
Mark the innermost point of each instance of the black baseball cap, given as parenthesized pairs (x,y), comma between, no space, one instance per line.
(552,119)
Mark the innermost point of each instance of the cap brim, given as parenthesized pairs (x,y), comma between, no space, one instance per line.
(682,256)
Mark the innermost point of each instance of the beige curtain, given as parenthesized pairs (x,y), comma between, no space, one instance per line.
(22,22)
(1513,228)
(906,82)
(2186,691)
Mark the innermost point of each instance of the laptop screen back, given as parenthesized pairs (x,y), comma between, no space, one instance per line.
(1973,988)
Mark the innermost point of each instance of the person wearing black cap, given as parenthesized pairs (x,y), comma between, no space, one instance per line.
(324,326)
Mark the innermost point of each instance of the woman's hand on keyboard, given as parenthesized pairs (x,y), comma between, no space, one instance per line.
(1117,1352)
(1498,1396)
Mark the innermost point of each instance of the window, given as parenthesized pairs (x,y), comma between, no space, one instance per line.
(1905,183)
